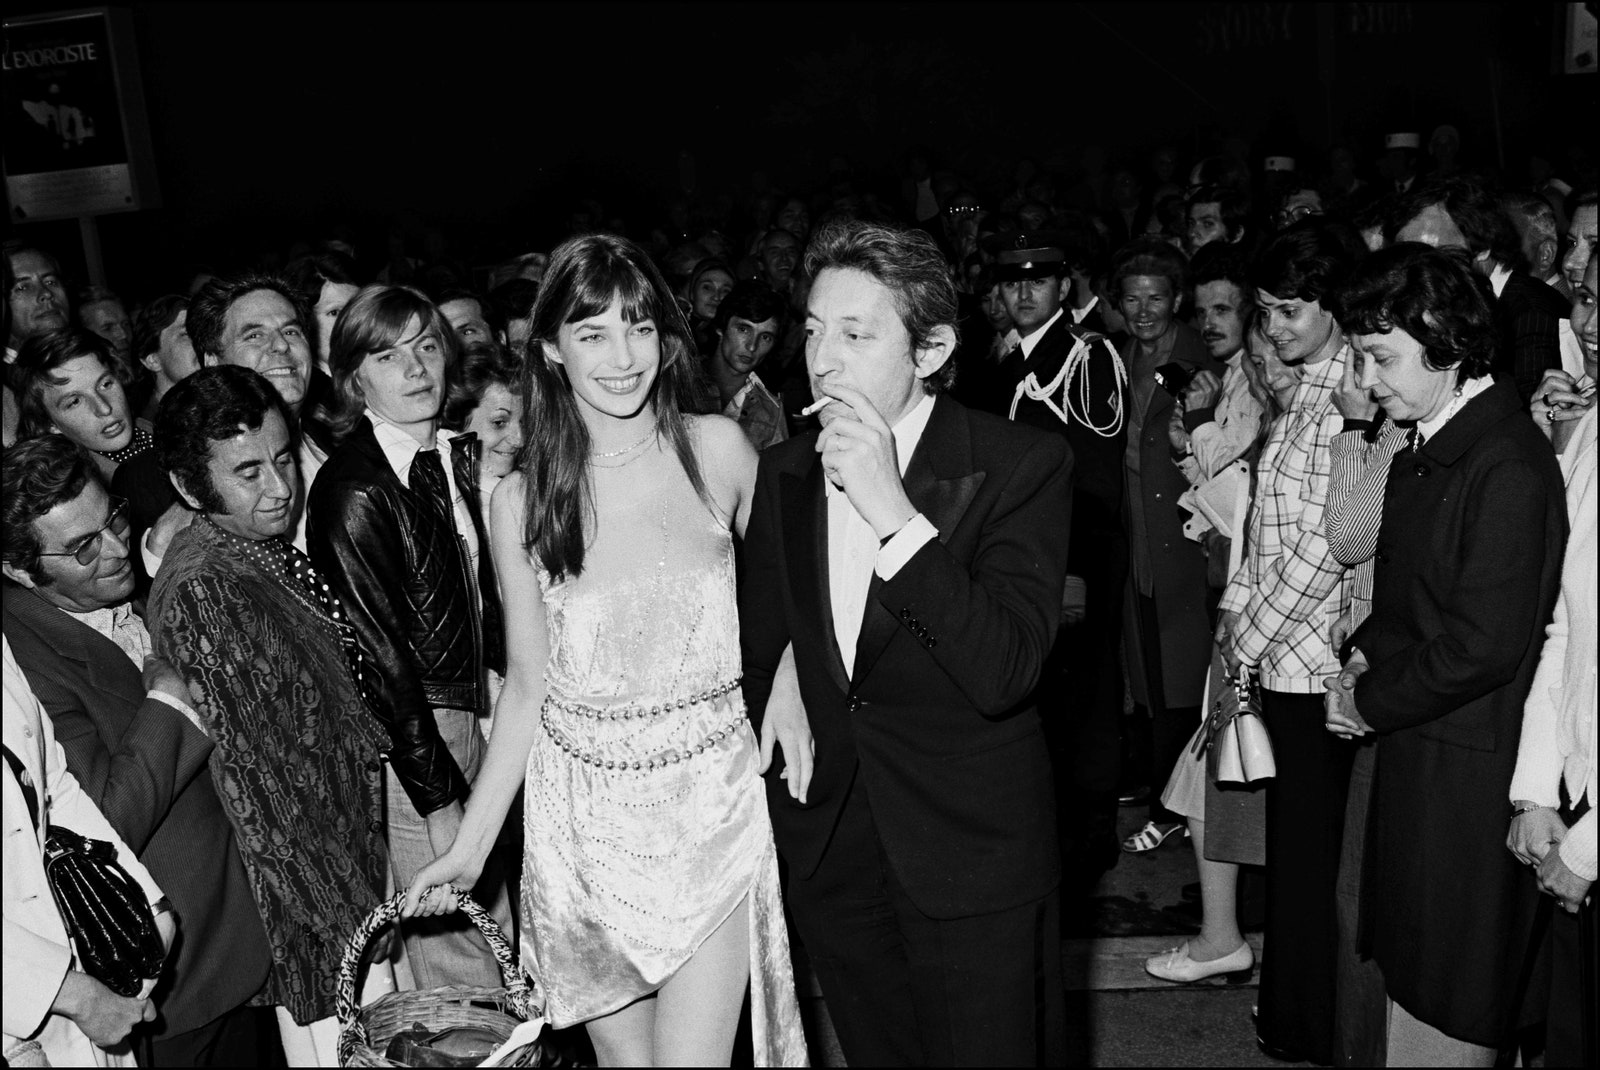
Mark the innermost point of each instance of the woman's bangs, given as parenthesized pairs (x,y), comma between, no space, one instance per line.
(614,278)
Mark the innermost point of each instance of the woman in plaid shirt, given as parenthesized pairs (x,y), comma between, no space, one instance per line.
(1276,618)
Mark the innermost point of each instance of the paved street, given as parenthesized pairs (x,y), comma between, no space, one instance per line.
(1118,1014)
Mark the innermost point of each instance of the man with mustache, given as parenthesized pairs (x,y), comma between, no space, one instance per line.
(1055,364)
(1218,419)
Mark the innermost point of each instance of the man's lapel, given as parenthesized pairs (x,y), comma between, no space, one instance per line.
(67,637)
(806,510)
(941,483)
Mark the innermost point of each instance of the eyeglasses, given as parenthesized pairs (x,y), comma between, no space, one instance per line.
(88,547)
(1294,214)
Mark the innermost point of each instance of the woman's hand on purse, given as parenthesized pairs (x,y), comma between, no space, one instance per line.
(105,1017)
(1224,640)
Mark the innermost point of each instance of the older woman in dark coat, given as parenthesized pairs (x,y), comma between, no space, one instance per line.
(1468,563)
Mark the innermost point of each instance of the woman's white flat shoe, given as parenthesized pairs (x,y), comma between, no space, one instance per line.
(1235,967)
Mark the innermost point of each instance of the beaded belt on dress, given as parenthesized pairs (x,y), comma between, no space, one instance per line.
(627,713)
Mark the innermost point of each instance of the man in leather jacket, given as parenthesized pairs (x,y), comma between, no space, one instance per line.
(396,526)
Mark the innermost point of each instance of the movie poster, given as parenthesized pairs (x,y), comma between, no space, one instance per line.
(66,144)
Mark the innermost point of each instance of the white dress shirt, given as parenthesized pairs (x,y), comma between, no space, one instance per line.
(853,551)
(1032,340)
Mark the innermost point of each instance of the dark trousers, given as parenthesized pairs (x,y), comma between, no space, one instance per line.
(1305,821)
(904,989)
(1080,697)
(1171,727)
(1361,1009)
(245,1036)
(1570,1028)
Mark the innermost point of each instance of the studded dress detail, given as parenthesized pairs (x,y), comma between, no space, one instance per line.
(645,822)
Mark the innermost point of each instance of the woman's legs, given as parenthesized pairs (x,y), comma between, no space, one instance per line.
(626,1037)
(1219,902)
(691,1021)
(697,1011)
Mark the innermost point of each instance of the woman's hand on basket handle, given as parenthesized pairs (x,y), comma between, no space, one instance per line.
(429,894)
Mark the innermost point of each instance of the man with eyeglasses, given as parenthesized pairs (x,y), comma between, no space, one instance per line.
(123,717)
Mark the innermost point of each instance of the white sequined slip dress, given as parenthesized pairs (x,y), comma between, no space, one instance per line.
(645,821)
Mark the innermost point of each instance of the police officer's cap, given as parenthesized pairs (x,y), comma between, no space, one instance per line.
(1018,256)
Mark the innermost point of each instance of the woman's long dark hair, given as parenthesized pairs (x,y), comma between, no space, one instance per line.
(585,275)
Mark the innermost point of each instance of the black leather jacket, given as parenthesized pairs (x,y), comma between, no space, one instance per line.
(403,576)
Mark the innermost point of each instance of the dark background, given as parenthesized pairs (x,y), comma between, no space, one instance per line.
(277,122)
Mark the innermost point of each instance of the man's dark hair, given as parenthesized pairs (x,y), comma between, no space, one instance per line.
(909,264)
(479,366)
(1431,294)
(152,319)
(1221,262)
(212,405)
(35,477)
(1306,261)
(16,247)
(513,300)
(208,309)
(37,363)
(491,315)
(1474,208)
(752,300)
(1156,257)
(310,273)
(1232,204)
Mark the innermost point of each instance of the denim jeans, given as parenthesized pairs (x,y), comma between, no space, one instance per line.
(447,950)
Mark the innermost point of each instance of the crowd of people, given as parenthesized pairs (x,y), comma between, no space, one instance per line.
(830,574)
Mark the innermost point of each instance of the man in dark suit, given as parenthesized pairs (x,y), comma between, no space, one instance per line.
(1464,213)
(1066,380)
(134,744)
(913,556)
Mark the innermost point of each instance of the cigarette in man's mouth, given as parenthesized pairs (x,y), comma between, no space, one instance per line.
(816,406)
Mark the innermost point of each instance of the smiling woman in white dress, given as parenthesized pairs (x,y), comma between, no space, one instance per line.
(650,884)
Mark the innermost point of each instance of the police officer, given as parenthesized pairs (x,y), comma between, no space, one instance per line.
(1067,379)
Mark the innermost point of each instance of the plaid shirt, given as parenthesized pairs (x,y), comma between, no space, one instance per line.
(1290,589)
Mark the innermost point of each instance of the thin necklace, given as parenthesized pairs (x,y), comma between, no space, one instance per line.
(648,435)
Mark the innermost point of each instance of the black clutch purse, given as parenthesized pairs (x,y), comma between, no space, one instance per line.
(102,908)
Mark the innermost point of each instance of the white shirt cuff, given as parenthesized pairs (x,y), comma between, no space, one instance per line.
(152,563)
(1578,848)
(904,544)
(182,707)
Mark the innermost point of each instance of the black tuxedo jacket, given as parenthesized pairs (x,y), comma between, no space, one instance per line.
(144,765)
(1528,316)
(937,720)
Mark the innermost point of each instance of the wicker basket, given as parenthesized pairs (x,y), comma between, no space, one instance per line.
(364,1032)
